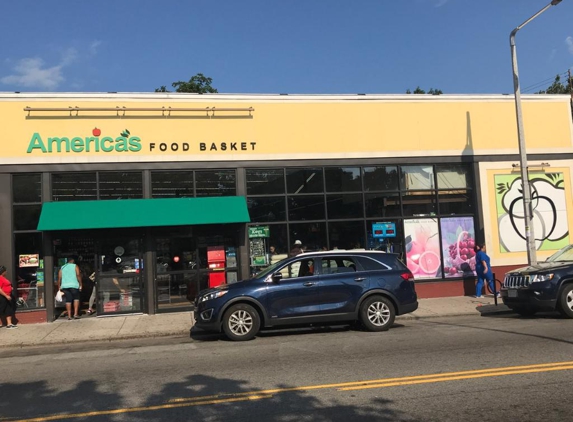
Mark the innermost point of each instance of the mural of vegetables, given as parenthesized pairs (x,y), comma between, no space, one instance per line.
(549,215)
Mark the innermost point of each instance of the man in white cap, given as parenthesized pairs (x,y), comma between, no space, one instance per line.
(297,248)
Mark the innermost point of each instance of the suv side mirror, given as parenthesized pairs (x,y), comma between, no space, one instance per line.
(277,277)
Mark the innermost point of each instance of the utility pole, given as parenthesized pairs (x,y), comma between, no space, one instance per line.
(527,208)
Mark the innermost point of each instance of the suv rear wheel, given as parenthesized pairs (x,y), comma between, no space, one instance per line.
(566,301)
(377,313)
(241,322)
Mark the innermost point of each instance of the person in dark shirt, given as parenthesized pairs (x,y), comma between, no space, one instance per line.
(296,249)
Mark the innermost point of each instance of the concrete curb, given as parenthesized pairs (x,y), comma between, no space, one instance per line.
(458,314)
(100,339)
(499,310)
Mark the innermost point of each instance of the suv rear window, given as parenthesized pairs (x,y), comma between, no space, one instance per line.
(370,264)
(382,262)
(338,264)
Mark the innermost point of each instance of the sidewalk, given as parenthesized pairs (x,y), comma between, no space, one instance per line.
(89,329)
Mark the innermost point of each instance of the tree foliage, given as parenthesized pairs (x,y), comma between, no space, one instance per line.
(199,84)
(431,91)
(557,87)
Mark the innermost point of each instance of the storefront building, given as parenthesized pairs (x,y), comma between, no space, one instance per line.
(161,195)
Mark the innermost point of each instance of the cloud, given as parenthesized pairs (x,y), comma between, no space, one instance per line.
(569,42)
(440,3)
(94,47)
(32,72)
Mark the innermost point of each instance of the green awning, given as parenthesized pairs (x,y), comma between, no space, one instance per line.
(109,214)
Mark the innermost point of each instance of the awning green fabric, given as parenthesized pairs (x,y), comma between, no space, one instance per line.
(121,213)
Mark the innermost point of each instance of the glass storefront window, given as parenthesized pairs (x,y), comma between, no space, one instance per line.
(120,185)
(383,205)
(312,235)
(455,202)
(27,188)
(176,290)
(348,205)
(421,203)
(176,270)
(305,180)
(342,179)
(453,176)
(389,244)
(346,235)
(383,178)
(26,216)
(29,269)
(278,246)
(74,186)
(172,184)
(216,183)
(265,182)
(416,177)
(306,207)
(269,208)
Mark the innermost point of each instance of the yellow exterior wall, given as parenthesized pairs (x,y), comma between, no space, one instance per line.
(287,127)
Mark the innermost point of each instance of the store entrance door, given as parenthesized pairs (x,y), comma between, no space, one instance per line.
(119,279)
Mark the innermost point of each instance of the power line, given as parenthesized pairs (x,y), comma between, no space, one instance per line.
(542,83)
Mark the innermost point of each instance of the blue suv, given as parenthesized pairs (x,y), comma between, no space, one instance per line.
(371,287)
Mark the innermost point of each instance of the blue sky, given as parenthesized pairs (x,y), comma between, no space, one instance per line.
(271,46)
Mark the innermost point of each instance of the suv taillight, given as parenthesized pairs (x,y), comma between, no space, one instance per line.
(407,276)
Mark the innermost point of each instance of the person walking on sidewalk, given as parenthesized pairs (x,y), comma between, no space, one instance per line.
(483,269)
(70,282)
(7,299)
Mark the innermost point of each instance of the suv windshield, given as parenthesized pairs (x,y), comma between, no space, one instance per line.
(565,254)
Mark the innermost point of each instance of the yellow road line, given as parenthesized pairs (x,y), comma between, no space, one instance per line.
(455,378)
(347,386)
(143,408)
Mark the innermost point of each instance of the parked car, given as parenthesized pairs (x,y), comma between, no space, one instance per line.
(312,288)
(547,286)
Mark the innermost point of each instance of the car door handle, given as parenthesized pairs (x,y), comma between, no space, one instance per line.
(360,279)
(308,283)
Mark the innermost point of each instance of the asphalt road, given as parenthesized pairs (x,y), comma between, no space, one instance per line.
(447,369)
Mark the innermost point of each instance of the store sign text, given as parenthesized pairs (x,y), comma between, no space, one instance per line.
(123,143)
(203,146)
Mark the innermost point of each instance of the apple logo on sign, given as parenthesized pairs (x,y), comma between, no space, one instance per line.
(96,131)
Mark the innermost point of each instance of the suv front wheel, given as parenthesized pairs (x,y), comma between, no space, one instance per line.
(377,313)
(241,322)
(566,301)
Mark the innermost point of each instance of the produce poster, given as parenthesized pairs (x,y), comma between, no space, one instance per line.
(29,260)
(458,241)
(423,247)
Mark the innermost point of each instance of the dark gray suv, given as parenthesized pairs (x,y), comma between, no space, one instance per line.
(547,286)
(312,288)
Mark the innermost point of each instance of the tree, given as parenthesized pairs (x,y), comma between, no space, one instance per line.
(557,87)
(199,84)
(419,90)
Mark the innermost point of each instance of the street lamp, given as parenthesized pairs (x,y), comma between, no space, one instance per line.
(527,210)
